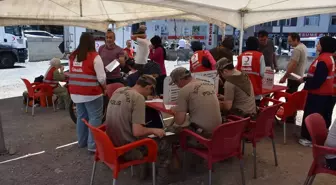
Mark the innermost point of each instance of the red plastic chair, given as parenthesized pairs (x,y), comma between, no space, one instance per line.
(294,102)
(113,87)
(37,90)
(224,143)
(317,129)
(262,127)
(107,153)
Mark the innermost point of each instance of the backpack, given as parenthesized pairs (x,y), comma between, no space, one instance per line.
(39,79)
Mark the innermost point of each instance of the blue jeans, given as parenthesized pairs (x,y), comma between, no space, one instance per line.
(93,112)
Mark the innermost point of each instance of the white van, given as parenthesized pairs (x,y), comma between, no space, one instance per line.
(310,43)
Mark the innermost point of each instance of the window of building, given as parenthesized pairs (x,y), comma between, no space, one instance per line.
(333,20)
(274,23)
(313,20)
(287,22)
(282,22)
(293,21)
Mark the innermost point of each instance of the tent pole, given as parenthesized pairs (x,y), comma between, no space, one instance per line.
(2,140)
(81,8)
(223,33)
(241,31)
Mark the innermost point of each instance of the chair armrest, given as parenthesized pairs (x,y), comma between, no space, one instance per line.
(264,102)
(150,144)
(321,151)
(279,94)
(234,117)
(186,132)
(102,127)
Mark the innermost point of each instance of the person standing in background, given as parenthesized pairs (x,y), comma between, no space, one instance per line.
(266,46)
(86,88)
(224,50)
(129,50)
(142,51)
(319,84)
(296,65)
(158,55)
(182,43)
(333,102)
(252,63)
(201,60)
(110,52)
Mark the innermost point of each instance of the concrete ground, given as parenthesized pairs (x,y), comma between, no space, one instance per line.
(53,162)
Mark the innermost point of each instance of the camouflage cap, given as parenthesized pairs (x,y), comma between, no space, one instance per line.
(178,74)
(222,63)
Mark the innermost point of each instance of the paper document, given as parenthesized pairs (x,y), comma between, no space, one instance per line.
(168,107)
(154,100)
(111,66)
(167,134)
(297,77)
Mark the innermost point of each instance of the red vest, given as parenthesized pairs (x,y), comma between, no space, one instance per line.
(249,63)
(334,58)
(327,86)
(82,76)
(49,78)
(196,62)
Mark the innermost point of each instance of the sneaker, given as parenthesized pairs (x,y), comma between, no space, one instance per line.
(92,151)
(305,142)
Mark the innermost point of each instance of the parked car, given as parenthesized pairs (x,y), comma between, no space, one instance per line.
(39,34)
(284,52)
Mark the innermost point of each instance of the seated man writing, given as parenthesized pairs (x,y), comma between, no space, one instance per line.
(125,119)
(238,96)
(199,100)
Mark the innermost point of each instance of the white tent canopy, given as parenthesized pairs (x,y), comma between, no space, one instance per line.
(256,11)
(99,13)
(94,14)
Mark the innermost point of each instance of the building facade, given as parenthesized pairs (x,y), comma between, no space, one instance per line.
(307,26)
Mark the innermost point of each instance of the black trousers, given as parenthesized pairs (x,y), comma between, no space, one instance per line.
(316,104)
(292,87)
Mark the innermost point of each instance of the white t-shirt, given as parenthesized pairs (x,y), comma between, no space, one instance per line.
(142,51)
(331,139)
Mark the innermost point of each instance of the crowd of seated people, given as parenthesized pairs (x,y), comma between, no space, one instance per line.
(198,104)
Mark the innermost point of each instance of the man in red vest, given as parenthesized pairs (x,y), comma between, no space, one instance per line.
(319,84)
(202,60)
(252,63)
(129,50)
